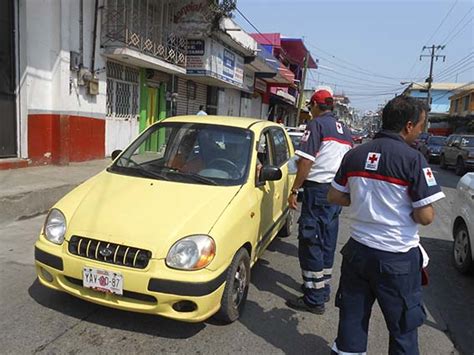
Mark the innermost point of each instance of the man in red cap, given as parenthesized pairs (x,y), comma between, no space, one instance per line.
(322,147)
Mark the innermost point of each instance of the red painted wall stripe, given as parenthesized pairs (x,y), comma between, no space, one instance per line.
(368,175)
(59,139)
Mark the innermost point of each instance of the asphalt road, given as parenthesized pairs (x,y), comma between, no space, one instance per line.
(38,320)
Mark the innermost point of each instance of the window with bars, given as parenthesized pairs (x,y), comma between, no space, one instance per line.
(122,91)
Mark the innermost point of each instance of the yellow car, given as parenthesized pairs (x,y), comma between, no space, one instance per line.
(174,224)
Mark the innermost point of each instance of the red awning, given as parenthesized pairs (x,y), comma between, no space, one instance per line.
(296,51)
(272,39)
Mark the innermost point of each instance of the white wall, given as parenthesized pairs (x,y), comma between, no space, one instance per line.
(48,31)
(119,134)
(229,102)
(265,108)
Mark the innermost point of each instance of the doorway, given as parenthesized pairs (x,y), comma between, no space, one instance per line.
(8,141)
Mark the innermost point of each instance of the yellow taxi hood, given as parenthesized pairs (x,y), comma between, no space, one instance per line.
(146,213)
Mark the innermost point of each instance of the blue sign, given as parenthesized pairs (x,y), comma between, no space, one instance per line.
(229,63)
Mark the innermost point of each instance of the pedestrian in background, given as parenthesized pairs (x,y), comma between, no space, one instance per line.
(390,190)
(201,111)
(323,145)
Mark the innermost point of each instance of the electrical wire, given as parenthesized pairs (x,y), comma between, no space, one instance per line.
(467,57)
(457,33)
(439,26)
(457,24)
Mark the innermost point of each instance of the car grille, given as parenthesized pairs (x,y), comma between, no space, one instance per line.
(109,252)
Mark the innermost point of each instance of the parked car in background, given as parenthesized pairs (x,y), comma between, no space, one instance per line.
(458,152)
(420,140)
(357,137)
(174,224)
(463,225)
(295,133)
(431,148)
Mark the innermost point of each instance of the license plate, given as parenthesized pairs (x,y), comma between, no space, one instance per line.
(102,280)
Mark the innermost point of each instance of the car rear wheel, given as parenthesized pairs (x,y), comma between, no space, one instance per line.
(236,288)
(462,257)
(460,168)
(285,231)
(442,162)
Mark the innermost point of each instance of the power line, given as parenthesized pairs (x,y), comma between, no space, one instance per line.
(453,37)
(439,26)
(461,71)
(456,63)
(457,24)
(361,70)
(454,70)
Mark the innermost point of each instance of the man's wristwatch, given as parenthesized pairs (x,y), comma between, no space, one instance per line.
(294,191)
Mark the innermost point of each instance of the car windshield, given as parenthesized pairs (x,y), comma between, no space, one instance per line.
(467,142)
(189,153)
(423,136)
(437,140)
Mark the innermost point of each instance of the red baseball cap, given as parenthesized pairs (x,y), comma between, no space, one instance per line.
(322,97)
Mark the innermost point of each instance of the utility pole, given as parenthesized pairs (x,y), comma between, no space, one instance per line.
(429,80)
(301,96)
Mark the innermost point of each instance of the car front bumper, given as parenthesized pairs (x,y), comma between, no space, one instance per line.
(469,163)
(144,290)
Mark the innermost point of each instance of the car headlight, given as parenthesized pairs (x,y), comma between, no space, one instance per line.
(55,226)
(192,253)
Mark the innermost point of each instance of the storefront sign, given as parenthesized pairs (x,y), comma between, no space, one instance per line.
(229,63)
(195,47)
(249,79)
(193,18)
(217,62)
(260,85)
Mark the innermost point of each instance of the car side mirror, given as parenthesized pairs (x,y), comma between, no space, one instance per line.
(115,154)
(270,173)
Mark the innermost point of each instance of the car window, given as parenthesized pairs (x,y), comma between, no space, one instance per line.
(264,150)
(437,140)
(280,143)
(189,153)
(467,142)
(457,140)
(296,140)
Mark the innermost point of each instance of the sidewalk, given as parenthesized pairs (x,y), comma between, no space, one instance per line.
(30,191)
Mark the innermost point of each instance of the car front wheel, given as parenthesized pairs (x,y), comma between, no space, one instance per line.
(460,168)
(462,257)
(442,162)
(236,288)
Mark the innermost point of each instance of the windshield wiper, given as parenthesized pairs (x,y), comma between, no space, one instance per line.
(143,171)
(193,176)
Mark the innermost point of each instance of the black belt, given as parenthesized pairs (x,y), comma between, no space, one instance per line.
(309,183)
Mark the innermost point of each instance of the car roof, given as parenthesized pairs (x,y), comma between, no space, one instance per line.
(462,135)
(241,122)
(295,133)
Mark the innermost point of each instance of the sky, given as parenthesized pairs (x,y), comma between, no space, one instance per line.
(367,48)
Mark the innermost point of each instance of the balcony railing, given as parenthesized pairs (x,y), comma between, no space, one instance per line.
(144,25)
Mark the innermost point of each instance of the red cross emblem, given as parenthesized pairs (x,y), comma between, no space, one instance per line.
(429,173)
(373,158)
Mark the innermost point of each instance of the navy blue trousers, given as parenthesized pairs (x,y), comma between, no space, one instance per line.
(394,280)
(317,237)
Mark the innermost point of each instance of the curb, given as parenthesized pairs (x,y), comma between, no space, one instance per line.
(32,203)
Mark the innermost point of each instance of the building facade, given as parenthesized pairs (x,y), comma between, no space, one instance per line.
(82,78)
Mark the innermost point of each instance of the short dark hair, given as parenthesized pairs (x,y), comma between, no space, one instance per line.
(201,107)
(400,110)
